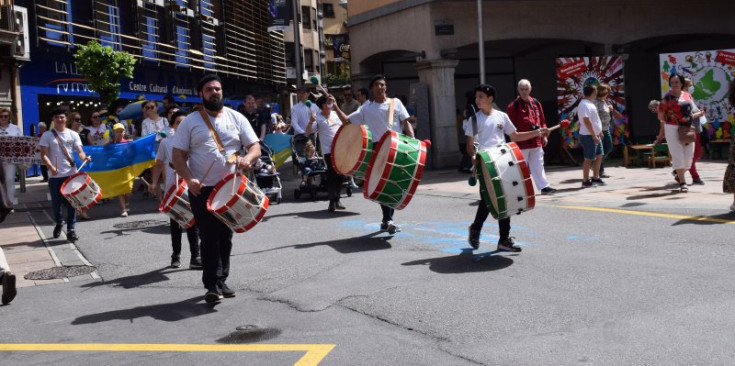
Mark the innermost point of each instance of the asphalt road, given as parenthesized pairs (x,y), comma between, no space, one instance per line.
(593,286)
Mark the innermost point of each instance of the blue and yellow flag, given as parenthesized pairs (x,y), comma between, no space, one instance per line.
(114,167)
(281,146)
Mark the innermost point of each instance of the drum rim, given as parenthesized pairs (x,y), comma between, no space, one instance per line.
(527,183)
(387,136)
(84,185)
(366,140)
(417,179)
(232,199)
(164,206)
(257,218)
(404,201)
(496,213)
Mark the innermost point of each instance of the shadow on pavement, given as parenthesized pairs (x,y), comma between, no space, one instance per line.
(724,218)
(171,312)
(318,215)
(350,245)
(134,281)
(465,262)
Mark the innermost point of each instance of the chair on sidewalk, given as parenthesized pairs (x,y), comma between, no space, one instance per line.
(629,156)
(660,155)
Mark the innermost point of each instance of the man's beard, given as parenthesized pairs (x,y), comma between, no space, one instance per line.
(213,104)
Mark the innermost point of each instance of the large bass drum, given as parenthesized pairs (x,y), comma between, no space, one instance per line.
(505,181)
(352,148)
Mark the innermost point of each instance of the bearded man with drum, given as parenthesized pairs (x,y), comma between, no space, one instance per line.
(375,115)
(196,144)
(492,126)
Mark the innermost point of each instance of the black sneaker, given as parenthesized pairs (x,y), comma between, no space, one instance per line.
(598,181)
(212,297)
(227,291)
(57,231)
(508,245)
(195,263)
(586,183)
(175,262)
(72,236)
(331,207)
(698,181)
(9,290)
(548,190)
(390,227)
(474,238)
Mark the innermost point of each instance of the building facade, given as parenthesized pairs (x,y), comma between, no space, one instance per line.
(436,43)
(174,41)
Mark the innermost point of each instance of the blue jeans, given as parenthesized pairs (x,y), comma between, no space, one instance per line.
(57,201)
(607,146)
(590,149)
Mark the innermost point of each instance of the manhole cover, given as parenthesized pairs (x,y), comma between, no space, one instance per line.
(59,272)
(248,334)
(140,224)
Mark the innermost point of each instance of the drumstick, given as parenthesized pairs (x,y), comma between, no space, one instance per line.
(315,80)
(144,181)
(207,172)
(564,124)
(81,166)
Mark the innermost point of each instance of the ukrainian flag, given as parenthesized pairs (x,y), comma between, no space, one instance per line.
(114,167)
(281,146)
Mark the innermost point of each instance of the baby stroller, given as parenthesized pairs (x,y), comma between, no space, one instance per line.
(266,176)
(312,168)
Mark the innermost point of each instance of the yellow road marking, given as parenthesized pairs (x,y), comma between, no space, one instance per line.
(651,214)
(314,352)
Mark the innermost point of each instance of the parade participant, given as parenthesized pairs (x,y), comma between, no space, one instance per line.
(492,126)
(326,125)
(7,278)
(350,105)
(74,122)
(153,123)
(44,170)
(9,129)
(119,138)
(57,147)
(376,116)
(164,164)
(682,153)
(206,147)
(527,114)
(97,130)
(253,115)
(301,113)
(590,135)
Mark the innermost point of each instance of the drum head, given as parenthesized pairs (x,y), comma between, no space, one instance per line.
(379,162)
(348,148)
(172,195)
(74,183)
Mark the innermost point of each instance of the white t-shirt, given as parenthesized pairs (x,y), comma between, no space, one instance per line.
(375,116)
(97,134)
(300,115)
(70,141)
(327,127)
(11,130)
(587,109)
(491,130)
(165,155)
(194,137)
(150,126)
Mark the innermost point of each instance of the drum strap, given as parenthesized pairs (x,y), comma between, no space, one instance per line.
(215,136)
(62,147)
(390,113)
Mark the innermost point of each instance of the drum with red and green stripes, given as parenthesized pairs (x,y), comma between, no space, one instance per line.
(505,180)
(395,170)
(352,148)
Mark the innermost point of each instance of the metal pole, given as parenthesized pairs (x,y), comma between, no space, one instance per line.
(297,42)
(480,42)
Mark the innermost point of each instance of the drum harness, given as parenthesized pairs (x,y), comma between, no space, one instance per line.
(62,147)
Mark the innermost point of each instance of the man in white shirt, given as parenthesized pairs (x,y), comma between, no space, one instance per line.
(326,124)
(301,113)
(57,152)
(196,152)
(375,115)
(590,135)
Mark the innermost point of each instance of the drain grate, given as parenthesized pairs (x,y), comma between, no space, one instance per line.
(248,334)
(59,272)
(140,224)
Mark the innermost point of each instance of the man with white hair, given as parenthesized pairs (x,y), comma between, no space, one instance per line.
(527,114)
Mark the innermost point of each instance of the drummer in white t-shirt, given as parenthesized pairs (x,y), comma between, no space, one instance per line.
(492,126)
(164,163)
(375,115)
(193,144)
(59,160)
(326,124)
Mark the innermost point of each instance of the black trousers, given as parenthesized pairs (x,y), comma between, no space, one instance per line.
(481,216)
(334,180)
(216,242)
(192,235)
(387,212)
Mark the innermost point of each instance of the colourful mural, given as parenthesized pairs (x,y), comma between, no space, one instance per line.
(711,73)
(573,74)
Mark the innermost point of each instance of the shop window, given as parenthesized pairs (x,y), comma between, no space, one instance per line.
(54,18)
(107,23)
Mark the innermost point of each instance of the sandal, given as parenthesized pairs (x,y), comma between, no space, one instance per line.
(683,188)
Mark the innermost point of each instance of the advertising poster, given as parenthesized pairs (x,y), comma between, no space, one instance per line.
(711,73)
(573,74)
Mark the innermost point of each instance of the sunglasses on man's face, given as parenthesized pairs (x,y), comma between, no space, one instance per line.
(4,116)
(149,107)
